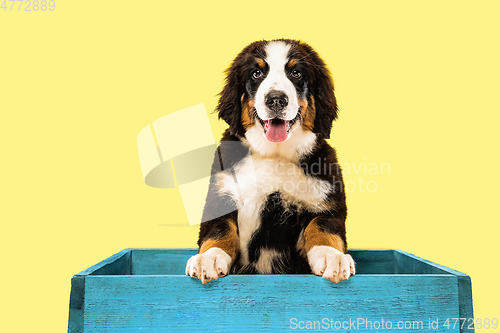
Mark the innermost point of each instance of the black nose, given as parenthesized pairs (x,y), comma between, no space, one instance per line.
(276,100)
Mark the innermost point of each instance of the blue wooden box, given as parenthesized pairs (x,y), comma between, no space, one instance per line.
(146,290)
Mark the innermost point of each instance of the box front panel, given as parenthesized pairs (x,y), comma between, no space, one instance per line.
(277,303)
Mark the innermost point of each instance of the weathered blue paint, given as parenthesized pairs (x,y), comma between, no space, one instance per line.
(145,290)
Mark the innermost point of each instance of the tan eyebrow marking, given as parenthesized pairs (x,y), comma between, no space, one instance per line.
(260,62)
(292,62)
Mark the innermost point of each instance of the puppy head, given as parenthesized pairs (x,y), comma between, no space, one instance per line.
(278,86)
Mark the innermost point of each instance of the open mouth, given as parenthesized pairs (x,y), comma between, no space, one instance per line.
(277,130)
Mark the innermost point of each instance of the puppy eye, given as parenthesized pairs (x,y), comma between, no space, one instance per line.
(296,74)
(256,74)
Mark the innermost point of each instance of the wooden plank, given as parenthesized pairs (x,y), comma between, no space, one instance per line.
(374,261)
(117,264)
(465,299)
(76,304)
(160,261)
(173,261)
(275,303)
(411,264)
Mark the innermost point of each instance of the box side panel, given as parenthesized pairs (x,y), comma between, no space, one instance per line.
(384,262)
(407,263)
(76,304)
(117,264)
(173,261)
(426,266)
(160,261)
(374,261)
(273,303)
(465,301)
(121,265)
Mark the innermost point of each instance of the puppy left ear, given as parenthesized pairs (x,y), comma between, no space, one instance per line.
(229,105)
(324,97)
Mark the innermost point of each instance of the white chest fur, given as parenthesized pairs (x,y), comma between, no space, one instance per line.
(256,177)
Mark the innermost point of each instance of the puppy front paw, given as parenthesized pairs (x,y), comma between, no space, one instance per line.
(209,265)
(330,263)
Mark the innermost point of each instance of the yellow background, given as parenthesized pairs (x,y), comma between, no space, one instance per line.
(417,83)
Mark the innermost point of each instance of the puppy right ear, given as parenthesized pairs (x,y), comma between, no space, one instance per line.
(229,106)
(234,93)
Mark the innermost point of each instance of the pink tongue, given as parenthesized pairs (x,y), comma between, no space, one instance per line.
(276,130)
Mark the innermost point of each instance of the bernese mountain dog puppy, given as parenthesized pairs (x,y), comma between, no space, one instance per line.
(276,200)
